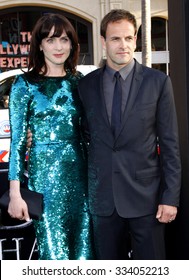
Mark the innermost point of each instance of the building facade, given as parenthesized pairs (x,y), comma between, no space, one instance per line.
(17,18)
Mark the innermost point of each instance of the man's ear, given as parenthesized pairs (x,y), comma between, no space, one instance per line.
(135,38)
(103,42)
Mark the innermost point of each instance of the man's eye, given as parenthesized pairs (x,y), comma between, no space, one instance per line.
(129,39)
(115,39)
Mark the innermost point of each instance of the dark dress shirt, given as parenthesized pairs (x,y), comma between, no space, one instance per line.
(109,84)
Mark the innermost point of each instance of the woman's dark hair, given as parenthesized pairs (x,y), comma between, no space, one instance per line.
(41,30)
(116,15)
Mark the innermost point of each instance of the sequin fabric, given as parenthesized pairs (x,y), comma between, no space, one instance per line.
(50,107)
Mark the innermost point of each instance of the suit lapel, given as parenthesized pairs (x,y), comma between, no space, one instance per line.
(101,110)
(102,104)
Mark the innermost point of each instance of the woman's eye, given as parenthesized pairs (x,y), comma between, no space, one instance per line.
(65,39)
(50,40)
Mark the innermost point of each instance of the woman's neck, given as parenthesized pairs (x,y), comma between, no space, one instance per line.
(56,71)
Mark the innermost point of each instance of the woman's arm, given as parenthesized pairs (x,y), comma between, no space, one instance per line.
(18,112)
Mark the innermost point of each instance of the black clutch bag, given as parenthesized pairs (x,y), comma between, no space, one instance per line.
(33,199)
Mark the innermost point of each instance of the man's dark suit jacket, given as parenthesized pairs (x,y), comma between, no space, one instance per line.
(127,173)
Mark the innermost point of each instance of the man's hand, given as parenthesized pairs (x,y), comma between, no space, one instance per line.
(29,138)
(166,213)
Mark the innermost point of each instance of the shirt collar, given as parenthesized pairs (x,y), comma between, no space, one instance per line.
(124,72)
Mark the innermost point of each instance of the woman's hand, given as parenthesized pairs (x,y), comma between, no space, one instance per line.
(17,208)
(29,138)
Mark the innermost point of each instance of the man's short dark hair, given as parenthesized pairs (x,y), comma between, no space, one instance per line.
(116,15)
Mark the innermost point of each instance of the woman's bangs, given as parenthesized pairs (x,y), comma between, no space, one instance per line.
(58,30)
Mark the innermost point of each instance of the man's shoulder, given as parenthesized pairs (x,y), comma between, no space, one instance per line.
(150,71)
(91,76)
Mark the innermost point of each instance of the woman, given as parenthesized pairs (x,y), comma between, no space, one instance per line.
(45,100)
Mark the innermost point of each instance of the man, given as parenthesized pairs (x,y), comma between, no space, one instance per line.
(133,190)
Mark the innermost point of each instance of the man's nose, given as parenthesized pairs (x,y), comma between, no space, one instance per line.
(123,43)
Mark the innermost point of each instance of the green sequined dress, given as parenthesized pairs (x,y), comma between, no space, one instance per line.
(50,107)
